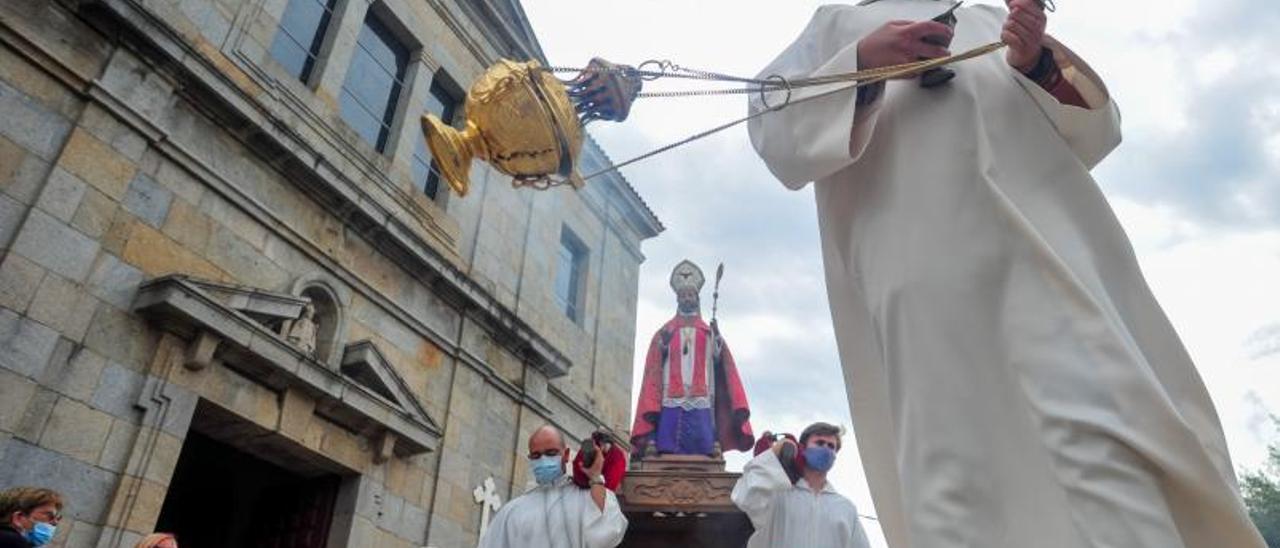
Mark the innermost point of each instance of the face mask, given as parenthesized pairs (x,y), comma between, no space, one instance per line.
(546,470)
(819,458)
(41,533)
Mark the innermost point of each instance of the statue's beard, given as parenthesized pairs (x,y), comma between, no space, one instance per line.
(687,309)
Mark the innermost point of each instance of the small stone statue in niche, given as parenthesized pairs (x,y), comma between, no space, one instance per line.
(302,333)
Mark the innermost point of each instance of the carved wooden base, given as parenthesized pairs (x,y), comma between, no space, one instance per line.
(682,500)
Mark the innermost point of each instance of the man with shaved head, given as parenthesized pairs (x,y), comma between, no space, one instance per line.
(555,513)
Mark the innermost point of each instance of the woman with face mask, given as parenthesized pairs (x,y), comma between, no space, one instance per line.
(30,516)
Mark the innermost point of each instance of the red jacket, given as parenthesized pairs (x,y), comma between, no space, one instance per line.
(615,469)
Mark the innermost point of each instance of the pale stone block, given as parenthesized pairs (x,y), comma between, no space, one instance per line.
(25,345)
(296,408)
(107,128)
(64,306)
(76,430)
(11,212)
(213,25)
(140,511)
(147,199)
(15,393)
(31,124)
(114,281)
(363,533)
(62,194)
(413,522)
(11,157)
(188,226)
(391,512)
(121,337)
(24,180)
(19,280)
(164,458)
(228,215)
(182,183)
(36,415)
(119,445)
(158,255)
(244,261)
(73,370)
(94,215)
(80,534)
(56,246)
(117,392)
(96,163)
(86,485)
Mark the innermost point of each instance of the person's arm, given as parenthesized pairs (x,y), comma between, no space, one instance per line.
(809,140)
(603,526)
(1069,93)
(1049,76)
(756,491)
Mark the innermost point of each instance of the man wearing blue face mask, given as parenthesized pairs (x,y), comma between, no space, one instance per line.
(556,513)
(30,516)
(809,513)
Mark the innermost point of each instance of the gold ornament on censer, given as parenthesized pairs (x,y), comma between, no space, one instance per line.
(528,124)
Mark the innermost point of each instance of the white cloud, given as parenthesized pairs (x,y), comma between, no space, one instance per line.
(1196,185)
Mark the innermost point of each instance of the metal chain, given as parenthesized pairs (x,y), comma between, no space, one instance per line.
(864,78)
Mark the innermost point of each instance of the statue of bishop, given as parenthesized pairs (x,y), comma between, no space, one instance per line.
(691,398)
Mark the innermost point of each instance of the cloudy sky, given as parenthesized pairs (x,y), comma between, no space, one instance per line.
(1196,185)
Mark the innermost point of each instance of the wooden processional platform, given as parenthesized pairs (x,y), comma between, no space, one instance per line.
(682,500)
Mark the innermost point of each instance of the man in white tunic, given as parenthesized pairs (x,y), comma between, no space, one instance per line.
(809,513)
(556,513)
(1013,381)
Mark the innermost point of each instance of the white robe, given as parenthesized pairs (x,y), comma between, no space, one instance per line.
(560,515)
(1013,381)
(786,515)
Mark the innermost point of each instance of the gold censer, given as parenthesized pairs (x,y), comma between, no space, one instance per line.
(526,123)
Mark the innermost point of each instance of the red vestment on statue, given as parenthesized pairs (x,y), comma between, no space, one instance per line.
(730,409)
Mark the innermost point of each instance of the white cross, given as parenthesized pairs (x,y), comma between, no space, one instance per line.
(486,495)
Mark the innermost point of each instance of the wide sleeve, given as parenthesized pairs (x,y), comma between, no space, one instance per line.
(809,141)
(649,402)
(859,537)
(495,535)
(755,493)
(1092,133)
(603,528)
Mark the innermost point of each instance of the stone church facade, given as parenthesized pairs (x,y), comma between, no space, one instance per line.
(236,302)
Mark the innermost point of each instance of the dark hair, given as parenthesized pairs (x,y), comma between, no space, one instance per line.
(26,500)
(821,429)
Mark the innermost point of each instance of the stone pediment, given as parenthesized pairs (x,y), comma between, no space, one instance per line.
(363,363)
(219,332)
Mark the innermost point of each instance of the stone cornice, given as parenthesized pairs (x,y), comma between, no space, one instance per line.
(178,305)
(199,79)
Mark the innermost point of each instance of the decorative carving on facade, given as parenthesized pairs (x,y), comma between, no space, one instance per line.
(302,333)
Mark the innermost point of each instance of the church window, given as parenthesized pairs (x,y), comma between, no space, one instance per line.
(444,101)
(301,33)
(570,274)
(373,83)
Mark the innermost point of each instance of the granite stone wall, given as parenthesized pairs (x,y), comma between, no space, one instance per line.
(146,138)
